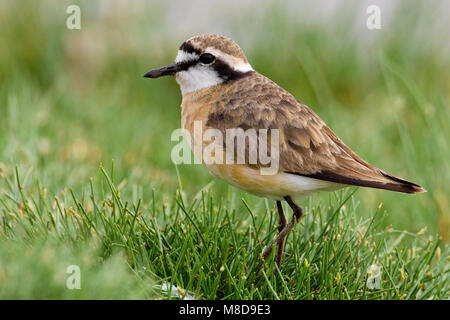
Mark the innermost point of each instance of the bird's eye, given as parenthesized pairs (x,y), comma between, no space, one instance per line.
(207,58)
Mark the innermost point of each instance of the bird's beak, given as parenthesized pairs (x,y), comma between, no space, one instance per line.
(169,70)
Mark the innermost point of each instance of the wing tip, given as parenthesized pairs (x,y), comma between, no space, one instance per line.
(407,186)
(397,184)
(410,188)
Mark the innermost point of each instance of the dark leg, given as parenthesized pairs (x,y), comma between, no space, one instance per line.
(282,224)
(298,212)
(283,221)
(283,229)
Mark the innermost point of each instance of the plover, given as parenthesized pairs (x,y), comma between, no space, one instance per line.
(221,91)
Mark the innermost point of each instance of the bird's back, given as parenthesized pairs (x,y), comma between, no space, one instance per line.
(307,146)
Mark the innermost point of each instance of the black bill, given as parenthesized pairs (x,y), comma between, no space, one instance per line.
(169,70)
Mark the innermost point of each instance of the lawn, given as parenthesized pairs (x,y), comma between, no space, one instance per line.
(86,177)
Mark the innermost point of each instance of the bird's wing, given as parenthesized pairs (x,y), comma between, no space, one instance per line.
(307,146)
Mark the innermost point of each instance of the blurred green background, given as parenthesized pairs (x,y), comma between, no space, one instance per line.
(72,99)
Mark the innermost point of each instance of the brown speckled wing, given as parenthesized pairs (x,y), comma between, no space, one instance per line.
(307,146)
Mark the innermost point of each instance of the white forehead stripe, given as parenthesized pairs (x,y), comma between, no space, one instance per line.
(183,56)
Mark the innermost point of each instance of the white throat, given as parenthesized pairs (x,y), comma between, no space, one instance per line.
(196,78)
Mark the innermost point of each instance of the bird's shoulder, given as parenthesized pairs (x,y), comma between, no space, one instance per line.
(257,102)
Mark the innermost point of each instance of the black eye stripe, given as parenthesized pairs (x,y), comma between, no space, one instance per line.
(184,65)
(187,64)
(227,73)
(224,71)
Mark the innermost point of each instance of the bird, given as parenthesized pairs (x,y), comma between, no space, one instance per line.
(221,91)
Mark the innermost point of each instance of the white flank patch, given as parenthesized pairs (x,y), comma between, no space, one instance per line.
(300,186)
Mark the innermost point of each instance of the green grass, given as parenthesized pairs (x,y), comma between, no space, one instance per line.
(71,100)
(39,270)
(205,247)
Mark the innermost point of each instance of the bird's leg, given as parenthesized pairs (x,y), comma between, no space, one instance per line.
(283,221)
(284,229)
(281,225)
(298,212)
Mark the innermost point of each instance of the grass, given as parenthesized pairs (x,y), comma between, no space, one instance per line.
(72,100)
(206,247)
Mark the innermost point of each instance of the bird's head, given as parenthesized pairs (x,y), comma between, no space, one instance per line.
(204,61)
